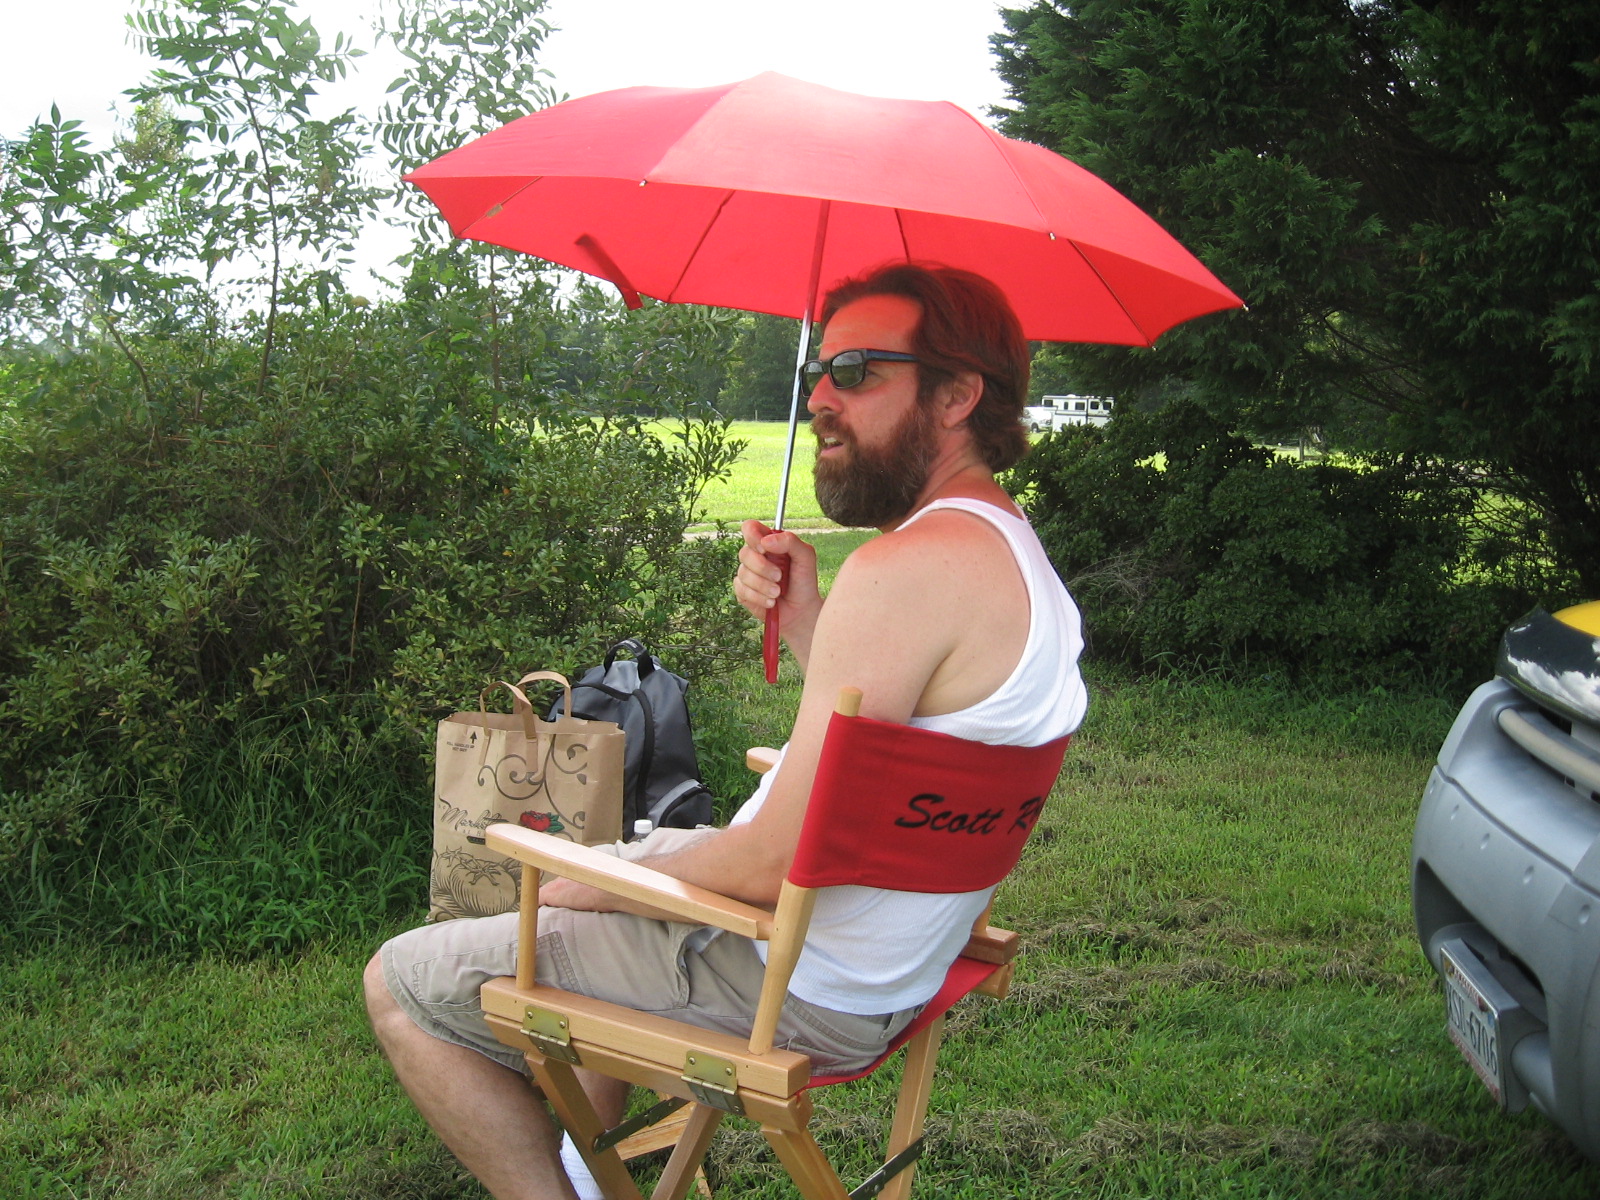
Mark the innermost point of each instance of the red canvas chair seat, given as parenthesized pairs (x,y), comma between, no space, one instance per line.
(965,976)
(892,807)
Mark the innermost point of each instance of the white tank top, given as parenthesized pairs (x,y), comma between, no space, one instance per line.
(871,950)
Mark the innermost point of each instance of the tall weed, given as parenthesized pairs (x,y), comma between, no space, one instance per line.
(286,834)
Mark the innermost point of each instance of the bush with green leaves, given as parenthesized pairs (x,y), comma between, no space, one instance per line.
(303,577)
(1186,544)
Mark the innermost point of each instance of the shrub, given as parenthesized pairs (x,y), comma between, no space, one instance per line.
(303,576)
(1184,543)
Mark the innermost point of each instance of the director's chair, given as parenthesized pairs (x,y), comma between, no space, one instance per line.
(892,807)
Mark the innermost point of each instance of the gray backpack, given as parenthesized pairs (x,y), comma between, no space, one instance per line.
(661,775)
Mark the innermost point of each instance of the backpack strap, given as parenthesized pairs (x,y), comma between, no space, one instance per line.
(636,651)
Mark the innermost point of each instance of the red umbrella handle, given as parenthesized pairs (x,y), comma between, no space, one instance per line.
(769,631)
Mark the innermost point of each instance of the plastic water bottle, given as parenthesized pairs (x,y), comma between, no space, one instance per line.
(642,828)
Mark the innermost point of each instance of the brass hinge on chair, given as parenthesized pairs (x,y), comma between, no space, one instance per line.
(548,1032)
(879,1179)
(714,1082)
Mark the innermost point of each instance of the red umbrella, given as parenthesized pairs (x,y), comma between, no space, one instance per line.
(760,195)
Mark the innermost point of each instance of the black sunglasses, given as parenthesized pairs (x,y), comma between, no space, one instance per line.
(846,368)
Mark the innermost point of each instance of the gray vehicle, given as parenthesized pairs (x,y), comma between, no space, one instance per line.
(1505,880)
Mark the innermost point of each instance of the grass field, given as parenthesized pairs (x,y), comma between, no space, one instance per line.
(752,490)
(1220,995)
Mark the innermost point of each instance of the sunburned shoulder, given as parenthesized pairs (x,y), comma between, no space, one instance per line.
(940,546)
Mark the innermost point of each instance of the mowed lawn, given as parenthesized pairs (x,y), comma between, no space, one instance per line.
(1220,995)
(752,488)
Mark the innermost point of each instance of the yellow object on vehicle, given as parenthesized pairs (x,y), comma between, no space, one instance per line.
(1582,616)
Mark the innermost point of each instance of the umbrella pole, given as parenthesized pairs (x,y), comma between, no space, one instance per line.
(800,359)
(769,632)
(794,411)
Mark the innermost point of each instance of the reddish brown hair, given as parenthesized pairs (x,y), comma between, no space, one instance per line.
(966,325)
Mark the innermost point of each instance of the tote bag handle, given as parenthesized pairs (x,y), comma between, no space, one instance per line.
(520,704)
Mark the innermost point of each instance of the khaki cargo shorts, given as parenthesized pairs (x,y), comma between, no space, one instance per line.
(690,973)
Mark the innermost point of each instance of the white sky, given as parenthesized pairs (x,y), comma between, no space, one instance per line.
(76,53)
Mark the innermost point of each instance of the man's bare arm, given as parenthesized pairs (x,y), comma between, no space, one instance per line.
(899,609)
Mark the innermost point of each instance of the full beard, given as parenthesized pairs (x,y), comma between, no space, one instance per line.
(876,487)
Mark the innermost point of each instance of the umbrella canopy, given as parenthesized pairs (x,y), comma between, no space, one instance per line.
(746,195)
(761,195)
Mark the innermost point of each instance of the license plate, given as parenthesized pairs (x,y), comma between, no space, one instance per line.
(1474,1023)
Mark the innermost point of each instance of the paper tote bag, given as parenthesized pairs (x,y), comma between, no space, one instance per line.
(562,777)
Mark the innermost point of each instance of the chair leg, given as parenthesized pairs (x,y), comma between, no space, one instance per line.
(683,1169)
(911,1109)
(576,1114)
(810,1169)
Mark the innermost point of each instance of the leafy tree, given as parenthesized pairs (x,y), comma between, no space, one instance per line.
(78,258)
(265,176)
(472,68)
(760,383)
(665,359)
(1406,195)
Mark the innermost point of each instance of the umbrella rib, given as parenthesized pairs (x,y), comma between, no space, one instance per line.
(1132,320)
(995,139)
(705,232)
(495,209)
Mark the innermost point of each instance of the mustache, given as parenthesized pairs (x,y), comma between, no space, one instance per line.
(826,424)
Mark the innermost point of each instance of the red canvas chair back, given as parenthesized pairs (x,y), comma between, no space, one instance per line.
(915,810)
(894,806)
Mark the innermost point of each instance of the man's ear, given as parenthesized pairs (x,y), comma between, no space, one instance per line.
(959,397)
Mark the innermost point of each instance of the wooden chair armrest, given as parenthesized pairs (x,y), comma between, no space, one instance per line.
(630,880)
(992,945)
(761,759)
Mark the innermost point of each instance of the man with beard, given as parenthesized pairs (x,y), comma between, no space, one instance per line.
(952,620)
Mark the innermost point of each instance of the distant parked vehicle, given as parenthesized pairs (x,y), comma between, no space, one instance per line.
(1505,878)
(1055,412)
(1039,418)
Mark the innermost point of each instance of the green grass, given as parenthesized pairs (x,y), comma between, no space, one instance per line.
(752,489)
(1220,995)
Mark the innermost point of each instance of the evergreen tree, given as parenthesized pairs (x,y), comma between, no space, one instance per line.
(1406,195)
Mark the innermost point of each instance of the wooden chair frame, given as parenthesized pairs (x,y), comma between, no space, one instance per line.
(713,1074)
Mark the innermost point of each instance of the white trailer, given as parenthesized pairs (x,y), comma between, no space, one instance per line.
(1054,412)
